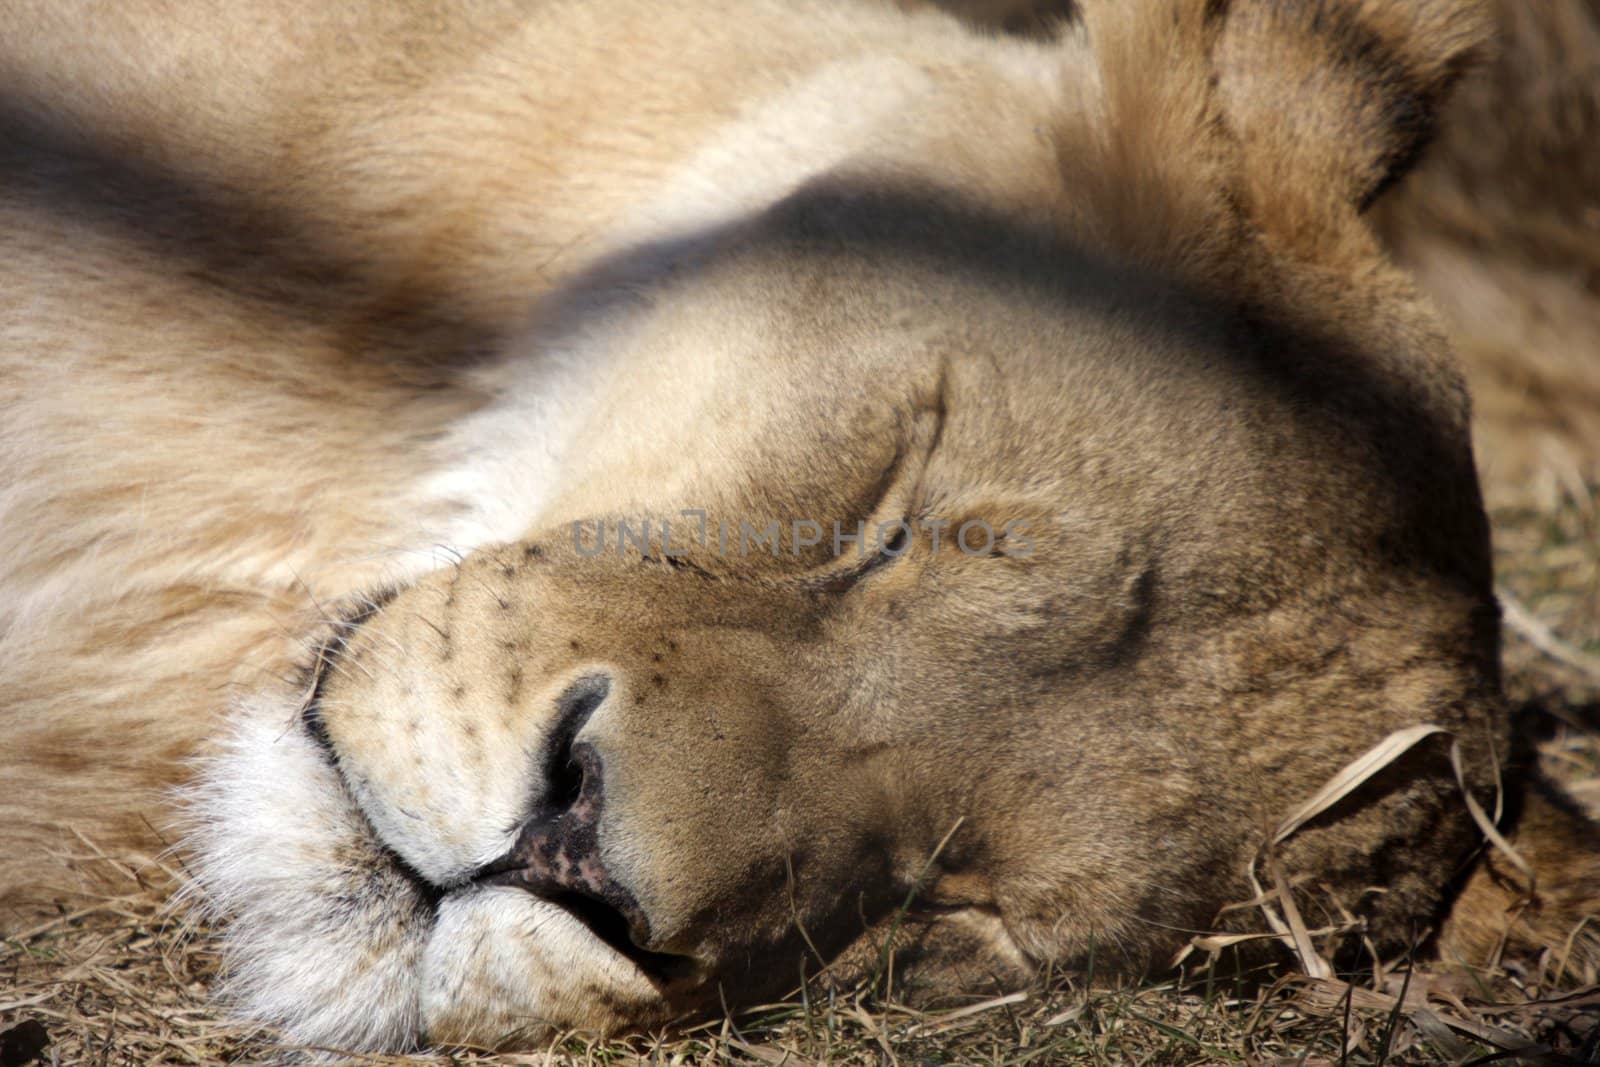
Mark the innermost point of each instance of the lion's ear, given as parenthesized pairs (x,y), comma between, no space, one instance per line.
(1335,99)
(1294,113)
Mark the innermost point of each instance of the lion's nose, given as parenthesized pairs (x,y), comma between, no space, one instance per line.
(557,853)
(558,849)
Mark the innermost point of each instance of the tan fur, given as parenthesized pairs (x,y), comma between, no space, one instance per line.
(1498,227)
(360,312)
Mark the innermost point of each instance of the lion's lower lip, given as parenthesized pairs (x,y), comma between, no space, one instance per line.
(602,920)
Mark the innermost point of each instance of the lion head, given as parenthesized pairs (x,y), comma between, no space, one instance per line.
(994,531)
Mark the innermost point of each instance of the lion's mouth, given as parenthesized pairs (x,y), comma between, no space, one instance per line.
(603,919)
(600,917)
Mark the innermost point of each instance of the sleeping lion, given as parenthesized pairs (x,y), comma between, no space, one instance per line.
(578,514)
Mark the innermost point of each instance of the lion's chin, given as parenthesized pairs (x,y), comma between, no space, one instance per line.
(328,939)
(503,967)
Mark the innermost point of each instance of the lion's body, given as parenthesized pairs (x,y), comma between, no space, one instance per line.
(300,308)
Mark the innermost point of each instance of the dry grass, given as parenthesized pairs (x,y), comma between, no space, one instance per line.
(122,983)
(117,985)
